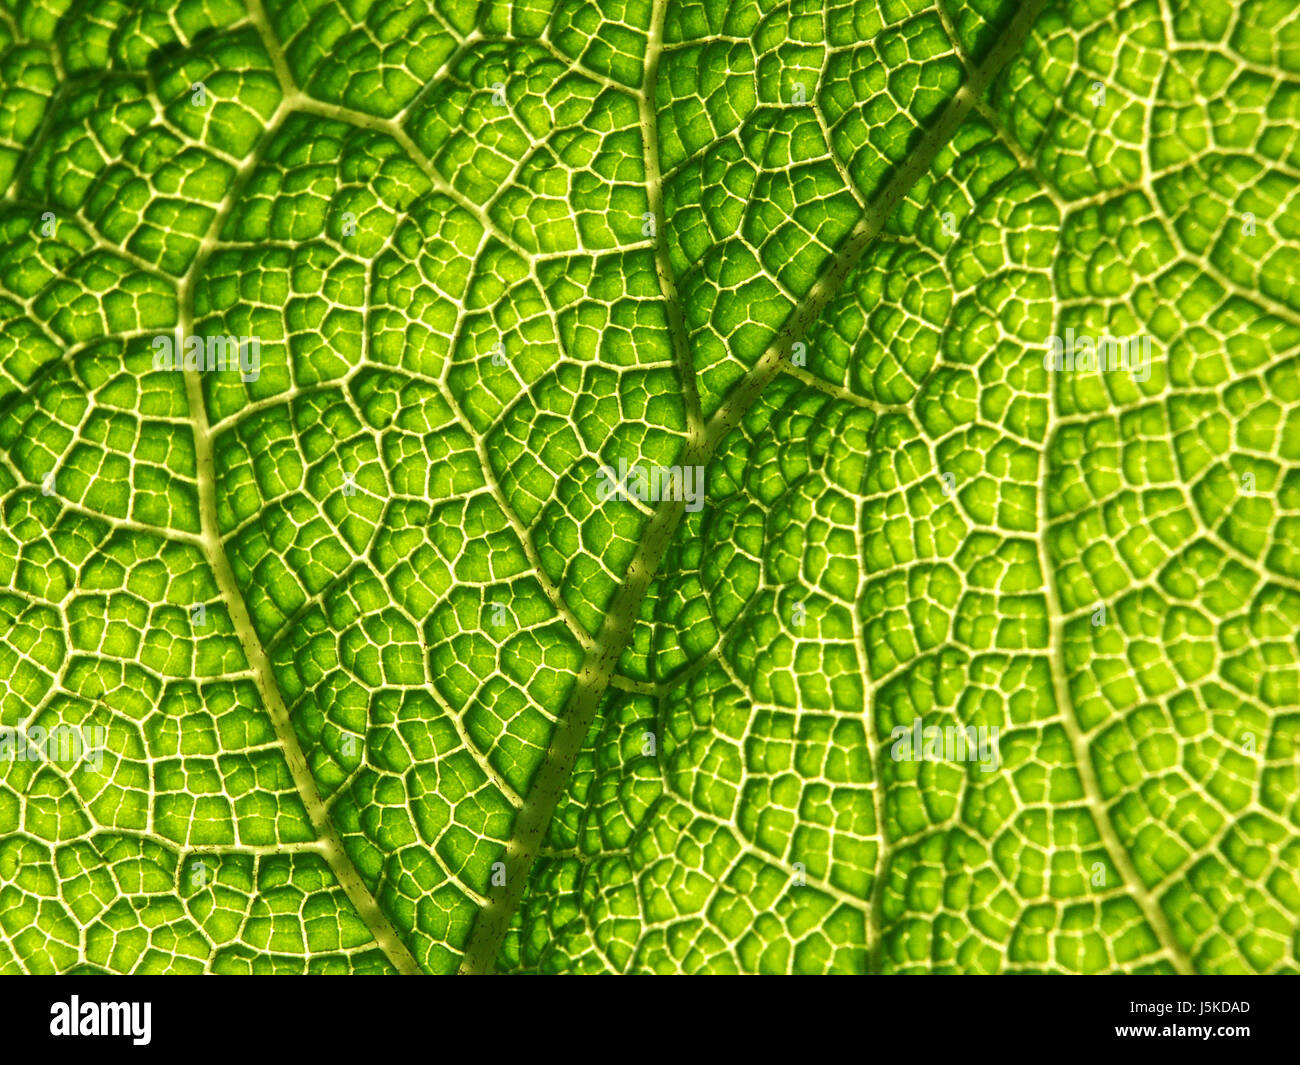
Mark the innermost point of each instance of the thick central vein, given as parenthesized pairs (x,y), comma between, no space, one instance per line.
(552,776)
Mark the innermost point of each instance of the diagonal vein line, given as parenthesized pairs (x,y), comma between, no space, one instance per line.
(209,540)
(1119,855)
(493,921)
(1096,802)
(259,661)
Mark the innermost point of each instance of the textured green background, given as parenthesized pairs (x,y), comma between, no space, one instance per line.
(406,564)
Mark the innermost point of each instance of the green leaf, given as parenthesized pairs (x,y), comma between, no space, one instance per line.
(341,655)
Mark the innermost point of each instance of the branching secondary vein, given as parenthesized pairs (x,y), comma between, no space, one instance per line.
(259,662)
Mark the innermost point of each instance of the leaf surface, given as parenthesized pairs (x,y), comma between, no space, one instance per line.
(389,681)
